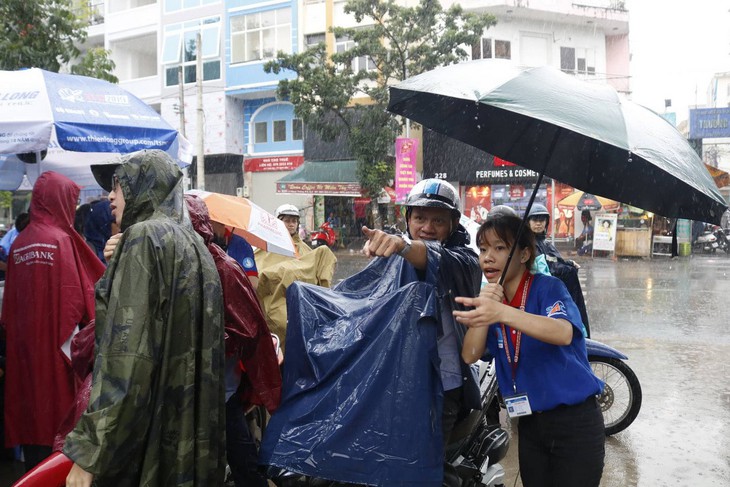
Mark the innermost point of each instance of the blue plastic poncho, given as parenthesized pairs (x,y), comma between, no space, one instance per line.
(362,396)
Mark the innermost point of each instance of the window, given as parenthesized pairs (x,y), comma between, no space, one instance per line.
(311,40)
(175,5)
(360,63)
(502,49)
(578,60)
(261,35)
(491,48)
(279,130)
(260,133)
(179,49)
(297,129)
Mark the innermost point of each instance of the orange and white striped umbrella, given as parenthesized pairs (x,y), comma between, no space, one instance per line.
(259,227)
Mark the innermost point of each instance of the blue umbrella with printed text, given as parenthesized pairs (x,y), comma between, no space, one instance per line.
(65,123)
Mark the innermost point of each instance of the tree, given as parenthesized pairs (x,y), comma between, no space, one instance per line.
(393,43)
(96,64)
(46,34)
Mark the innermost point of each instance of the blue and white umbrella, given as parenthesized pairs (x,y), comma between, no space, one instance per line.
(71,122)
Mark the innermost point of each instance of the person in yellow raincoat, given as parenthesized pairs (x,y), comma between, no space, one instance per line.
(277,272)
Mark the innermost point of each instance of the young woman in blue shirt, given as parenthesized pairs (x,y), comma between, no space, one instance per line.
(542,365)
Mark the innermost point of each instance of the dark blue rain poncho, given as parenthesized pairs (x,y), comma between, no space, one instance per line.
(98,226)
(362,395)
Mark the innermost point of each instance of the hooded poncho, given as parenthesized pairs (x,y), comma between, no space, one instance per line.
(48,292)
(247,334)
(156,410)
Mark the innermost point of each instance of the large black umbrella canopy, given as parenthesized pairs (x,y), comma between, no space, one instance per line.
(581,133)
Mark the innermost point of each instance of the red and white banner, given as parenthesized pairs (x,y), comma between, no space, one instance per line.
(272,163)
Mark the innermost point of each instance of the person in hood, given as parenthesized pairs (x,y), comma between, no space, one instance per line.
(436,246)
(99,226)
(156,412)
(248,347)
(49,295)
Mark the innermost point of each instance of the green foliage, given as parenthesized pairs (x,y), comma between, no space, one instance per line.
(395,42)
(46,34)
(6,199)
(96,64)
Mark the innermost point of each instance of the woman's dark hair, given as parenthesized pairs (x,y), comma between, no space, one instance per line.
(506,227)
(82,213)
(22,221)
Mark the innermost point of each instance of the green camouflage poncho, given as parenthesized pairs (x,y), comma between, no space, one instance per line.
(156,412)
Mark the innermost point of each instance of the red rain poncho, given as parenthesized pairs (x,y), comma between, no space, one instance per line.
(48,292)
(246,332)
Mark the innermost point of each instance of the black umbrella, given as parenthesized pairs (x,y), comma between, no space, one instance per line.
(581,133)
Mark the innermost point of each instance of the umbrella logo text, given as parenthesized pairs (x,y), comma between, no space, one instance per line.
(67,94)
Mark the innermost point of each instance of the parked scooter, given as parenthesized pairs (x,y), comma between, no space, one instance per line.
(706,242)
(621,398)
(477,445)
(721,238)
(325,235)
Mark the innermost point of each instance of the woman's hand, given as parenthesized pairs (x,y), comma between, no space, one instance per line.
(487,306)
(493,291)
(78,477)
(111,244)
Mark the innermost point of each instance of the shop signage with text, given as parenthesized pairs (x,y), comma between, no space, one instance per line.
(272,163)
(405,166)
(344,189)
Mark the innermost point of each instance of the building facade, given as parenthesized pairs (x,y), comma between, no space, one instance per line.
(252,140)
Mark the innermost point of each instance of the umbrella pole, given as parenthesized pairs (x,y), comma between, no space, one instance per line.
(529,205)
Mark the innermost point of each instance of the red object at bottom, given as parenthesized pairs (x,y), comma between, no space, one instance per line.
(51,472)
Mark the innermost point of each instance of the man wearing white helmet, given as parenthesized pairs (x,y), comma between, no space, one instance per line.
(289,214)
(436,245)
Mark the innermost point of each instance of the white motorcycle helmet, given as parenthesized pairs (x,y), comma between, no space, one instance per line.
(434,193)
(287,209)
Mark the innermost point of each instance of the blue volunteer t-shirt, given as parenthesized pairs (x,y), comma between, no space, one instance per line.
(242,252)
(550,375)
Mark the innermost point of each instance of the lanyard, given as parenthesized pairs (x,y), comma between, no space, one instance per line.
(507,339)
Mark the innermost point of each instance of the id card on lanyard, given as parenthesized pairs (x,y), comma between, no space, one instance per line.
(517,404)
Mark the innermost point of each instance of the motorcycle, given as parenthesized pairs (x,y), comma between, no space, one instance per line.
(721,238)
(706,243)
(476,447)
(620,400)
(325,235)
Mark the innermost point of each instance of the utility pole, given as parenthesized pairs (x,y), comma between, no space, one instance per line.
(201,139)
(181,99)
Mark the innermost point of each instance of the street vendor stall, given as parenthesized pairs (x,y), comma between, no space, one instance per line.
(633,234)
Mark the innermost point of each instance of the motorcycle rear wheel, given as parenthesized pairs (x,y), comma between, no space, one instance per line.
(621,399)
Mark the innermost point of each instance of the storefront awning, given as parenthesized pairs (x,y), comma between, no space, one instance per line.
(324,178)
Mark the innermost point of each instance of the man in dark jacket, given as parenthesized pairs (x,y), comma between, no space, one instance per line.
(156,411)
(436,245)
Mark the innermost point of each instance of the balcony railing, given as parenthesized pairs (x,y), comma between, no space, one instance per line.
(90,10)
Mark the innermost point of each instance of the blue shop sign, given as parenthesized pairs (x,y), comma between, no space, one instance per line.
(709,123)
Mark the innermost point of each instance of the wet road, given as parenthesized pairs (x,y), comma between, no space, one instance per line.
(672,319)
